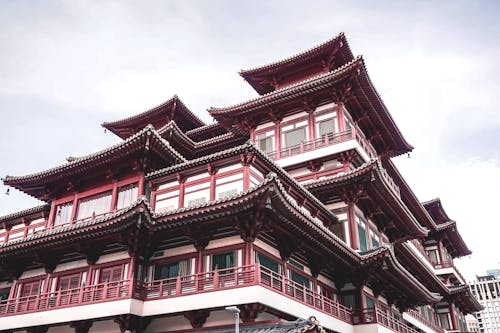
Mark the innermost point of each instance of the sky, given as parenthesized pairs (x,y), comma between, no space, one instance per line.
(68,66)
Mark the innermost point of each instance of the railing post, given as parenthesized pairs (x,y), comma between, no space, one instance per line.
(178,285)
(257,276)
(215,279)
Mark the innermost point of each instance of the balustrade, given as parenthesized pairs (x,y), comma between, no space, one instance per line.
(417,315)
(101,292)
(329,139)
(385,318)
(221,279)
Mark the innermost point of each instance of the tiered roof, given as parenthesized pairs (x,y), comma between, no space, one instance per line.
(446,227)
(25,215)
(172,109)
(145,142)
(371,177)
(365,100)
(184,143)
(323,58)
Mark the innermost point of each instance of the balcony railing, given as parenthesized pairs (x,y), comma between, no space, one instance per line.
(417,315)
(221,279)
(449,264)
(101,292)
(299,292)
(381,317)
(325,141)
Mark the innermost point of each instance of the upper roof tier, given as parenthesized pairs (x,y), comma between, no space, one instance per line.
(145,147)
(159,116)
(323,58)
(455,244)
(349,84)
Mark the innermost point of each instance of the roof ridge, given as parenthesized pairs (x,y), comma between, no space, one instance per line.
(292,86)
(175,97)
(292,57)
(27,211)
(148,129)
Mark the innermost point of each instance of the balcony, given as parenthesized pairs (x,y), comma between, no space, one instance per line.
(448,267)
(98,293)
(332,139)
(217,280)
(380,317)
(418,316)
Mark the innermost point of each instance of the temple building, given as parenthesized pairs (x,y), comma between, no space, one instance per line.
(288,207)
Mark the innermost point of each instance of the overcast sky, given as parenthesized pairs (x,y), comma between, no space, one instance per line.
(67,66)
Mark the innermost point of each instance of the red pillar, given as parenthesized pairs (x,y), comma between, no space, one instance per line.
(310,125)
(277,135)
(75,208)
(246,177)
(341,117)
(212,172)
(452,316)
(353,230)
(50,221)
(182,181)
(141,190)
(114,196)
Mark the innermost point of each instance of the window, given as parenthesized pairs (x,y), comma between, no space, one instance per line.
(31,289)
(111,274)
(362,238)
(172,269)
(338,229)
(370,303)
(265,141)
(375,240)
(267,262)
(302,280)
(223,260)
(69,282)
(94,205)
(433,255)
(295,137)
(327,128)
(444,321)
(126,196)
(4,293)
(63,213)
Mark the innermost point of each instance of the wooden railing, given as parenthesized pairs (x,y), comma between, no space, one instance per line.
(449,264)
(326,140)
(417,315)
(385,318)
(220,279)
(299,292)
(102,292)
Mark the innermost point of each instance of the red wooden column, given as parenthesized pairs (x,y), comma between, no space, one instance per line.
(310,125)
(340,116)
(246,160)
(182,182)
(142,181)
(452,316)
(114,196)
(212,171)
(441,252)
(252,134)
(75,208)
(277,137)
(353,230)
(52,214)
